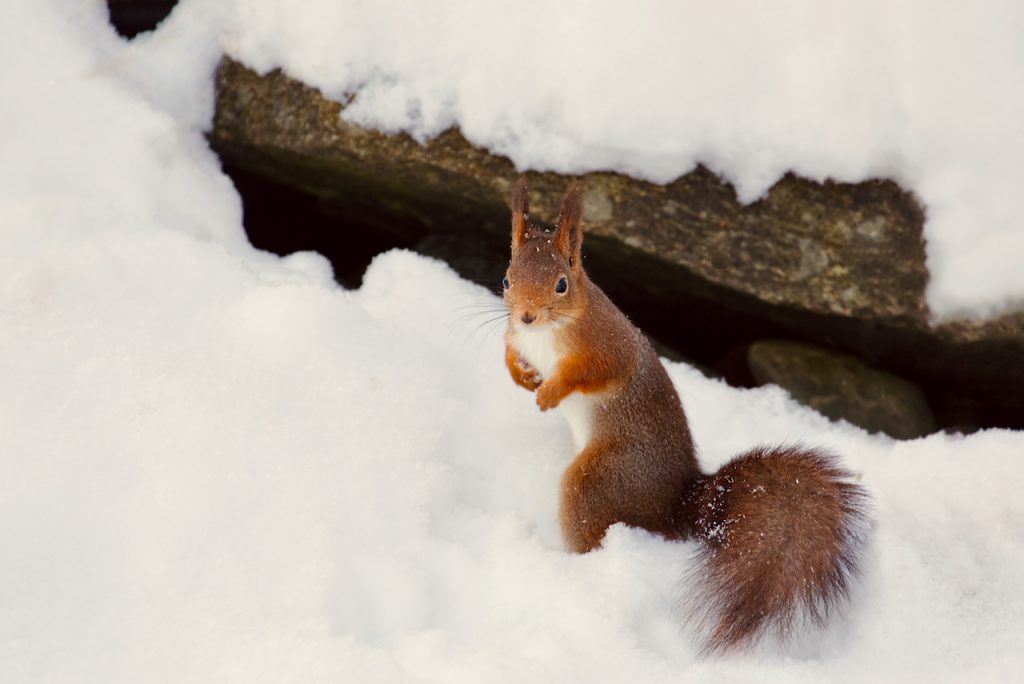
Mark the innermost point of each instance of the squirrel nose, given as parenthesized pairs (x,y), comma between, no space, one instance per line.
(528,318)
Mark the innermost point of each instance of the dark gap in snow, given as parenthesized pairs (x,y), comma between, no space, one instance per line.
(132,17)
(282,220)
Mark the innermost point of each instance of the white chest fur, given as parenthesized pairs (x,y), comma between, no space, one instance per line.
(537,346)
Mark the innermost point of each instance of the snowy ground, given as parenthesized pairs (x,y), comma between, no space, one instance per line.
(220,466)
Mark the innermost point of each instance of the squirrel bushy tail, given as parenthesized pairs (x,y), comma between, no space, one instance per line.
(781,530)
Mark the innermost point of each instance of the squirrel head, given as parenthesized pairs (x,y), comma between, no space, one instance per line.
(545,283)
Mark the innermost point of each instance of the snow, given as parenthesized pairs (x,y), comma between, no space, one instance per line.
(218,465)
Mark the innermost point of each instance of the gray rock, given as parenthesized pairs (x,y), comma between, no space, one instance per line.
(840,386)
(840,264)
(838,249)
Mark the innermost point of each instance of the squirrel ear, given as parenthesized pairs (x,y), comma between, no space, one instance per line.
(569,237)
(520,213)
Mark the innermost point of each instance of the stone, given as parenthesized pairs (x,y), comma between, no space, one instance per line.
(840,264)
(804,245)
(842,387)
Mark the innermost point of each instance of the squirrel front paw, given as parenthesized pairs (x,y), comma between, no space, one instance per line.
(548,396)
(528,376)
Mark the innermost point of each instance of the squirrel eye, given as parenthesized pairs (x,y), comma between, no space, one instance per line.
(504,282)
(562,285)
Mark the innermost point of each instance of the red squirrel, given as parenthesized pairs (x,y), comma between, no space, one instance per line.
(780,529)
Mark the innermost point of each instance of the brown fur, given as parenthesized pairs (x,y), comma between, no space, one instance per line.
(780,528)
(520,213)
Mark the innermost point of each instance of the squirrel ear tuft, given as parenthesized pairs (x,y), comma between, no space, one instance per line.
(569,238)
(520,212)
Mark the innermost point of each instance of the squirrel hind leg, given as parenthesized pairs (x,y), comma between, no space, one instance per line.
(586,511)
(782,531)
